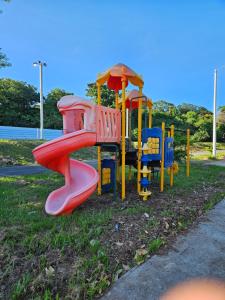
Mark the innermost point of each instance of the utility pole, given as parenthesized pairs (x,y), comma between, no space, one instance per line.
(214,113)
(41,64)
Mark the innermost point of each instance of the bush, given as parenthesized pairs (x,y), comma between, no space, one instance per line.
(180,146)
(200,136)
(221,133)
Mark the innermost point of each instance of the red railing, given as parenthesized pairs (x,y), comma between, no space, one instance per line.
(108,125)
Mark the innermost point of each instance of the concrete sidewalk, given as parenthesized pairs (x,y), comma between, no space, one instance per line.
(200,253)
(32,169)
(21,170)
(220,163)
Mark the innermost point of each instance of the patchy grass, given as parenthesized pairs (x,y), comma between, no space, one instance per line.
(79,256)
(155,244)
(19,152)
(203,151)
(207,146)
(21,287)
(208,155)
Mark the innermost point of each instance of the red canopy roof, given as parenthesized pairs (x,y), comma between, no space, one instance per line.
(115,74)
(133,94)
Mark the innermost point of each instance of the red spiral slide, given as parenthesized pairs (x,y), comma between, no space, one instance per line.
(85,124)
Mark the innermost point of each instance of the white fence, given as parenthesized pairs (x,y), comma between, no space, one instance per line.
(24,133)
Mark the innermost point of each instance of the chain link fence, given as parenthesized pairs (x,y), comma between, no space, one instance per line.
(25,133)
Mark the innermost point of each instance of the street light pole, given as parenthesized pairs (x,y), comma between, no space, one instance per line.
(214,113)
(41,101)
(41,64)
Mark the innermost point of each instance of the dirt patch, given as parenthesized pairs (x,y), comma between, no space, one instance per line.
(163,216)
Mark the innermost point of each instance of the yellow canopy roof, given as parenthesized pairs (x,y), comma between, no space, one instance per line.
(114,75)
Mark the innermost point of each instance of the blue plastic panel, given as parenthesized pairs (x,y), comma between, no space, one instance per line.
(169,152)
(111,164)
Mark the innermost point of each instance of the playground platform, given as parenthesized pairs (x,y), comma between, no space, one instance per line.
(198,254)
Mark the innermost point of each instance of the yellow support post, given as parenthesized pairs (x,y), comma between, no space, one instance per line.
(172,131)
(117,100)
(139,139)
(150,117)
(123,140)
(150,126)
(118,162)
(162,159)
(99,148)
(171,168)
(188,154)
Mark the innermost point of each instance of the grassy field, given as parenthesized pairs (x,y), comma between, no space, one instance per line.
(19,152)
(79,256)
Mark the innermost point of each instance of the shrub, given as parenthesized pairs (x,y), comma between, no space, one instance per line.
(200,136)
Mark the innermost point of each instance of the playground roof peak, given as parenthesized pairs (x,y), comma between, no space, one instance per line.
(114,76)
(132,98)
(70,100)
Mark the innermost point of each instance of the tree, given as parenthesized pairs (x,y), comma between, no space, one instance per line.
(186,107)
(163,106)
(17,103)
(191,117)
(221,115)
(3,60)
(221,133)
(4,1)
(52,116)
(107,95)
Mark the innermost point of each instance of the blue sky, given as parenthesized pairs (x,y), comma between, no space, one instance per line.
(175,45)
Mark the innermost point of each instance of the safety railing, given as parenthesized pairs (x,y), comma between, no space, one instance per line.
(108,125)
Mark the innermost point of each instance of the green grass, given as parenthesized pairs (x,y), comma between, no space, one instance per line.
(155,244)
(19,152)
(21,286)
(75,246)
(213,201)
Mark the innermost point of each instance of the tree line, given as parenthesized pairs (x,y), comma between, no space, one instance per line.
(19,106)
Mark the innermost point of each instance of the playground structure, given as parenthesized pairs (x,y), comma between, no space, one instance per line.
(86,124)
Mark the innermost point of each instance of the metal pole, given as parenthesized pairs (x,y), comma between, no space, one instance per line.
(139,140)
(127,123)
(214,113)
(41,101)
(162,175)
(171,168)
(123,139)
(99,147)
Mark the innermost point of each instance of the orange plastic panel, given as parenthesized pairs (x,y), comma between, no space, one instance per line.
(108,125)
